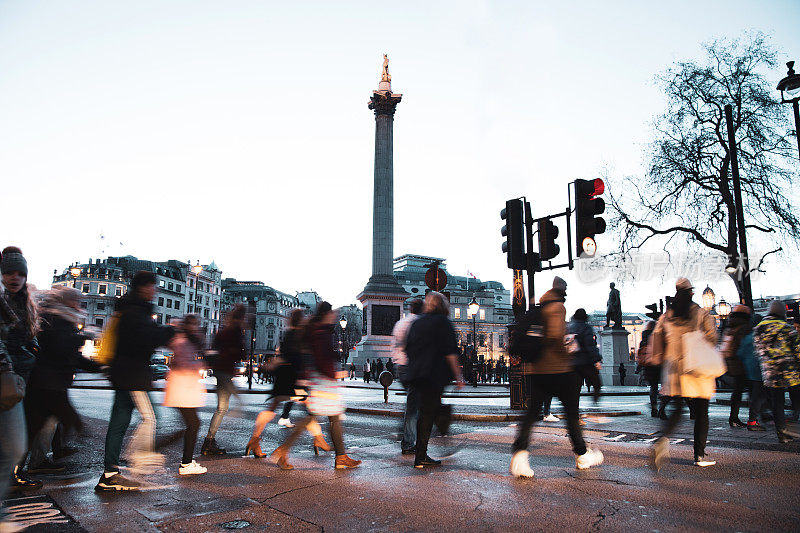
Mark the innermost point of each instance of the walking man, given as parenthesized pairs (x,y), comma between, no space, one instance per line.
(137,337)
(622,373)
(400,358)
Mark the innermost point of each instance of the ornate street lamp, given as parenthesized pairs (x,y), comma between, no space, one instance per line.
(709,299)
(473,309)
(343,324)
(790,94)
(74,272)
(724,309)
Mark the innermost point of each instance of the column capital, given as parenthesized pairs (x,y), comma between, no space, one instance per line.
(384,102)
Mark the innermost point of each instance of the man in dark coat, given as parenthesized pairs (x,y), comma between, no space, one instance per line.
(137,337)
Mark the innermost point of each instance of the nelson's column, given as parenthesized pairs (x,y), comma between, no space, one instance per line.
(382,297)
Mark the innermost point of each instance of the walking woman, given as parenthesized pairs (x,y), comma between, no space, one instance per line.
(184,390)
(289,369)
(740,324)
(21,344)
(683,317)
(326,398)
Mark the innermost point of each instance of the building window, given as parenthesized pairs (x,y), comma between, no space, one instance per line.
(161,283)
(98,322)
(483,314)
(102,288)
(457,313)
(189,308)
(178,288)
(160,301)
(118,291)
(191,282)
(160,318)
(167,319)
(482,339)
(101,306)
(170,286)
(216,315)
(169,303)
(500,340)
(206,300)
(84,305)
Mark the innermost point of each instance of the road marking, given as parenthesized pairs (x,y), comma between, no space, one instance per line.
(614,439)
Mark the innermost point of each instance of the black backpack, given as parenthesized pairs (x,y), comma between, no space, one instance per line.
(526,339)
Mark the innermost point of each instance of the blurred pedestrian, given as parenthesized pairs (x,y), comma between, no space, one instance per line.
(740,324)
(352,371)
(325,396)
(227,349)
(367,371)
(400,357)
(184,390)
(137,337)
(683,317)
(59,356)
(432,351)
(552,374)
(288,370)
(587,360)
(651,371)
(622,373)
(778,345)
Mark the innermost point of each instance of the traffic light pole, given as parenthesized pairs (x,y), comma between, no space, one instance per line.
(532,257)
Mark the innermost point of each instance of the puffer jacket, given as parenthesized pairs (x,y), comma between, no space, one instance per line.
(59,354)
(137,338)
(588,354)
(777,346)
(554,359)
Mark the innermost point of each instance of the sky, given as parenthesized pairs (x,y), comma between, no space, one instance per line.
(239,131)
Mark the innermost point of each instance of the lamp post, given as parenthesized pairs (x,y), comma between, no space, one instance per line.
(343,324)
(709,299)
(724,309)
(74,272)
(790,94)
(473,308)
(197,269)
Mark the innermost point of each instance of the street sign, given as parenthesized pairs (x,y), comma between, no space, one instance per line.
(435,279)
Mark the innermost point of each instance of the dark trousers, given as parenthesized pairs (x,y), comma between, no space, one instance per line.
(564,387)
(757,398)
(777,395)
(698,406)
(736,396)
(41,404)
(590,374)
(287,407)
(430,408)
(121,411)
(192,423)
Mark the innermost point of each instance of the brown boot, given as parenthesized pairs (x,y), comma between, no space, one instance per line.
(343,461)
(319,442)
(254,447)
(281,458)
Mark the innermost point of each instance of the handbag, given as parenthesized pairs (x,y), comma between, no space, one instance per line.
(12,389)
(700,357)
(184,389)
(324,398)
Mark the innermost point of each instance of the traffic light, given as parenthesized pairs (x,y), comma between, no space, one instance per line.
(548,249)
(587,205)
(514,232)
(654,313)
(793,311)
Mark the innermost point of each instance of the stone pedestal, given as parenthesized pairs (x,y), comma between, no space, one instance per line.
(614,349)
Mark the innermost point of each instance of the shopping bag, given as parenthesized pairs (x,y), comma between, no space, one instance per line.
(700,357)
(324,398)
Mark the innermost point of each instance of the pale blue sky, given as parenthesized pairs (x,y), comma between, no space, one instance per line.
(239,131)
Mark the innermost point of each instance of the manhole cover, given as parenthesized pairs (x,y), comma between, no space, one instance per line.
(235,524)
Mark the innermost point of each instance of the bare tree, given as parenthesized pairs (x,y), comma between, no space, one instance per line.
(686,195)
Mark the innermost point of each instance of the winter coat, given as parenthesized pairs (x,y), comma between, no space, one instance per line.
(588,353)
(184,388)
(777,346)
(750,361)
(667,341)
(729,348)
(59,354)
(320,340)
(291,369)
(137,338)
(229,345)
(21,348)
(554,359)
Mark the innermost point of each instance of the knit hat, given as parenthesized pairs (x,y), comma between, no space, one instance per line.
(741,308)
(777,308)
(683,284)
(559,284)
(580,314)
(13,261)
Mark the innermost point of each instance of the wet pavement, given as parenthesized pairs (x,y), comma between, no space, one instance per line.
(753,488)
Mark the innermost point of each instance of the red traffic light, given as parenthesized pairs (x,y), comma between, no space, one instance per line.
(599,186)
(594,187)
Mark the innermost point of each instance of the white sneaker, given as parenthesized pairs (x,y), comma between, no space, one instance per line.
(519,465)
(704,460)
(285,422)
(590,458)
(191,468)
(551,418)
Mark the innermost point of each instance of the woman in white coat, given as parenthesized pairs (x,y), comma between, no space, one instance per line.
(667,344)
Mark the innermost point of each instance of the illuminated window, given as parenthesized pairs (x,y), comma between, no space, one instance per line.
(161,283)
(483,314)
(457,312)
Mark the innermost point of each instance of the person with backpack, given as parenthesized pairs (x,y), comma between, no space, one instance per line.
(137,337)
(587,360)
(740,324)
(538,339)
(671,336)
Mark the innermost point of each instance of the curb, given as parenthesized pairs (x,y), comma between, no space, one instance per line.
(509,417)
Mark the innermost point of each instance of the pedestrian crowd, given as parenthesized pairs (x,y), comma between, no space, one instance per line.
(681,354)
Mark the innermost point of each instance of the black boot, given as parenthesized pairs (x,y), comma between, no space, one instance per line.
(210,448)
(654,412)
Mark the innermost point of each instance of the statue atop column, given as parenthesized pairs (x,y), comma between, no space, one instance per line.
(614,308)
(385,73)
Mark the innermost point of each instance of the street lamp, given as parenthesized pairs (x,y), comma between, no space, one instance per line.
(343,324)
(724,309)
(197,269)
(709,298)
(790,94)
(75,272)
(473,309)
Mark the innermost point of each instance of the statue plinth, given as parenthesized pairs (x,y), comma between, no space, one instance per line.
(614,350)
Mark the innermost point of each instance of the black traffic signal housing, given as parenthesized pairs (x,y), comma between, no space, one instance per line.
(548,249)
(587,224)
(793,311)
(514,232)
(654,313)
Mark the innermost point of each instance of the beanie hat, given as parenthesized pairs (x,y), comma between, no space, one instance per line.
(559,284)
(777,308)
(13,261)
(581,315)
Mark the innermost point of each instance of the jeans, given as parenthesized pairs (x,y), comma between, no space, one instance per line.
(143,438)
(736,396)
(225,388)
(546,402)
(563,386)
(410,418)
(699,407)
(13,443)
